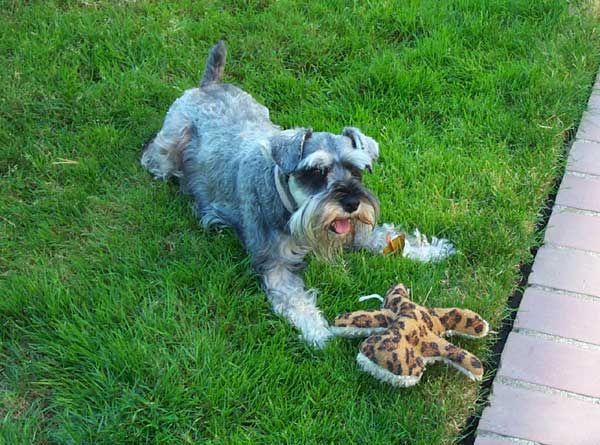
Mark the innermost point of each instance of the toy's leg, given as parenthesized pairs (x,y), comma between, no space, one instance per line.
(443,350)
(384,375)
(362,323)
(417,246)
(383,356)
(462,322)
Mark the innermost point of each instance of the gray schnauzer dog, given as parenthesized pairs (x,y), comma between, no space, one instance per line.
(285,192)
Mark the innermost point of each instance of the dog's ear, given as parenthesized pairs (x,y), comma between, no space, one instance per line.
(287,148)
(362,142)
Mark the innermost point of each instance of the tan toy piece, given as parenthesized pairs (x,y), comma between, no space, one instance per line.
(403,338)
(394,245)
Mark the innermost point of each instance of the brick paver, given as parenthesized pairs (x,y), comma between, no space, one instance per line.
(594,102)
(560,314)
(589,127)
(547,389)
(565,269)
(551,419)
(557,365)
(571,229)
(483,440)
(584,157)
(579,193)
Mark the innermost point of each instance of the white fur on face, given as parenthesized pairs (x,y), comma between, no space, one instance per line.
(303,221)
(297,193)
(309,225)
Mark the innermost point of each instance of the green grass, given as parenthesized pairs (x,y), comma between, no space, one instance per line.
(122,321)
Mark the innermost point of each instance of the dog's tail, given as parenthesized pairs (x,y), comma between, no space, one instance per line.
(215,64)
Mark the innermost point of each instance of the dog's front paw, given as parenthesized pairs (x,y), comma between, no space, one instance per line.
(417,247)
(317,338)
(311,323)
(441,249)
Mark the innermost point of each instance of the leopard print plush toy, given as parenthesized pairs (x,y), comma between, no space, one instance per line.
(405,337)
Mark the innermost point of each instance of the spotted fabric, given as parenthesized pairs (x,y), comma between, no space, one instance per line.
(411,336)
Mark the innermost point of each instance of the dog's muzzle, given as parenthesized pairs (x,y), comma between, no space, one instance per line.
(348,197)
(331,219)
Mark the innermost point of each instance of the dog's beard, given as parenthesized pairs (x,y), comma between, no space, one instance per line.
(314,223)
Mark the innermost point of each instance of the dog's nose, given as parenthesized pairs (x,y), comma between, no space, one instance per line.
(350,203)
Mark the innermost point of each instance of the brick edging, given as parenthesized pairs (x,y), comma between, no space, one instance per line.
(547,387)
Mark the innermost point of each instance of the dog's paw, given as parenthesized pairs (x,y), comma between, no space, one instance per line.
(309,321)
(317,338)
(441,249)
(417,247)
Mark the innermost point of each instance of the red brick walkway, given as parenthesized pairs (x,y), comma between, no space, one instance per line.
(547,390)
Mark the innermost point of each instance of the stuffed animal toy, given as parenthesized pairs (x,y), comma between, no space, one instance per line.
(403,338)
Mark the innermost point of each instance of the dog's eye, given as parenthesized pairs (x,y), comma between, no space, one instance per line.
(317,173)
(314,178)
(356,173)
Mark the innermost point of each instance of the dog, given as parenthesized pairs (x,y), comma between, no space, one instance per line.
(285,192)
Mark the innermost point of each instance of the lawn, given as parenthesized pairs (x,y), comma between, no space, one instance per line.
(123,321)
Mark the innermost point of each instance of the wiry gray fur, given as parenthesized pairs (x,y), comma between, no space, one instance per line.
(226,152)
(215,65)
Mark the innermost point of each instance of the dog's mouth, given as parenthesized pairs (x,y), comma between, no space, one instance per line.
(341,226)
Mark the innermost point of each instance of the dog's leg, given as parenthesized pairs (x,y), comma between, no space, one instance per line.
(163,155)
(286,292)
(417,246)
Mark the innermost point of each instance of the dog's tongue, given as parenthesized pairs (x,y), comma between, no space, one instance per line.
(341,226)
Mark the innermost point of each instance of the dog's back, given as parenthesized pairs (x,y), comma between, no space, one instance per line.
(208,135)
(215,111)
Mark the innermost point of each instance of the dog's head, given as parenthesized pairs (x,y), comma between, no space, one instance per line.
(324,173)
